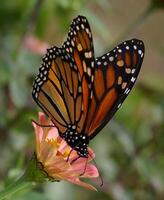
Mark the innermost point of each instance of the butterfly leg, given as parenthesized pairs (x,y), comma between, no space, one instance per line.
(41,125)
(74,160)
(69,154)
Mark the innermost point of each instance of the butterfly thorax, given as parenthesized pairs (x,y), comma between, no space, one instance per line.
(77,141)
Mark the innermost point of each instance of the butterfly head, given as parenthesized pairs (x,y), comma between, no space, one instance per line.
(77,141)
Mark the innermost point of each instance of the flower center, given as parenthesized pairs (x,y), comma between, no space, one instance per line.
(52,142)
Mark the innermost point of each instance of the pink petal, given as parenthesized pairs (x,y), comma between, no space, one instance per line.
(46,152)
(42,118)
(90,172)
(64,146)
(35,45)
(52,133)
(91,154)
(79,163)
(57,162)
(83,184)
(74,155)
(38,132)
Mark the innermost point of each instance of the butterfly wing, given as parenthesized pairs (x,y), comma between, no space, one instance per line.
(79,46)
(115,75)
(62,87)
(57,88)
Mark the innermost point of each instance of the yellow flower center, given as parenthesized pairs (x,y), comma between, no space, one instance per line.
(53,142)
(66,153)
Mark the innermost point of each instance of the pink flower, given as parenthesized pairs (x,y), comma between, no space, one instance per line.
(53,152)
(35,45)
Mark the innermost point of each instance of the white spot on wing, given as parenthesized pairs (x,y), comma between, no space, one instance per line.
(82,26)
(142,55)
(111,58)
(140,52)
(119,105)
(135,47)
(105,63)
(127,91)
(133,79)
(133,70)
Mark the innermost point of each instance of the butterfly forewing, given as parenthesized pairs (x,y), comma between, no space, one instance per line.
(57,88)
(79,45)
(115,75)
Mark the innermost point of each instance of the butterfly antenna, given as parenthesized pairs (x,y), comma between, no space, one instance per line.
(101,178)
(41,125)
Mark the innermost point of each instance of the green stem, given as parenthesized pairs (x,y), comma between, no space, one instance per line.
(15,187)
(33,174)
(28,26)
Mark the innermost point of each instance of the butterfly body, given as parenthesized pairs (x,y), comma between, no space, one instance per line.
(78,141)
(81,93)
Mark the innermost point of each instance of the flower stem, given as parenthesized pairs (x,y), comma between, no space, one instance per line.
(32,175)
(15,187)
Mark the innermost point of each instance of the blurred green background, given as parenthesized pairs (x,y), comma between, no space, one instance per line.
(130,149)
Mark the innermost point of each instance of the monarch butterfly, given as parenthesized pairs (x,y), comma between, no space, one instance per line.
(79,93)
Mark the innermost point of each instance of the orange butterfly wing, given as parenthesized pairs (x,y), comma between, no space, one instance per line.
(115,75)
(79,46)
(57,88)
(62,87)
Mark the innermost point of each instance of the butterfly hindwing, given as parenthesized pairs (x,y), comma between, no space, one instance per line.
(115,75)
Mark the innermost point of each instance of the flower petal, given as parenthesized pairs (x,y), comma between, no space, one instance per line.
(42,118)
(38,132)
(52,133)
(90,172)
(83,184)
